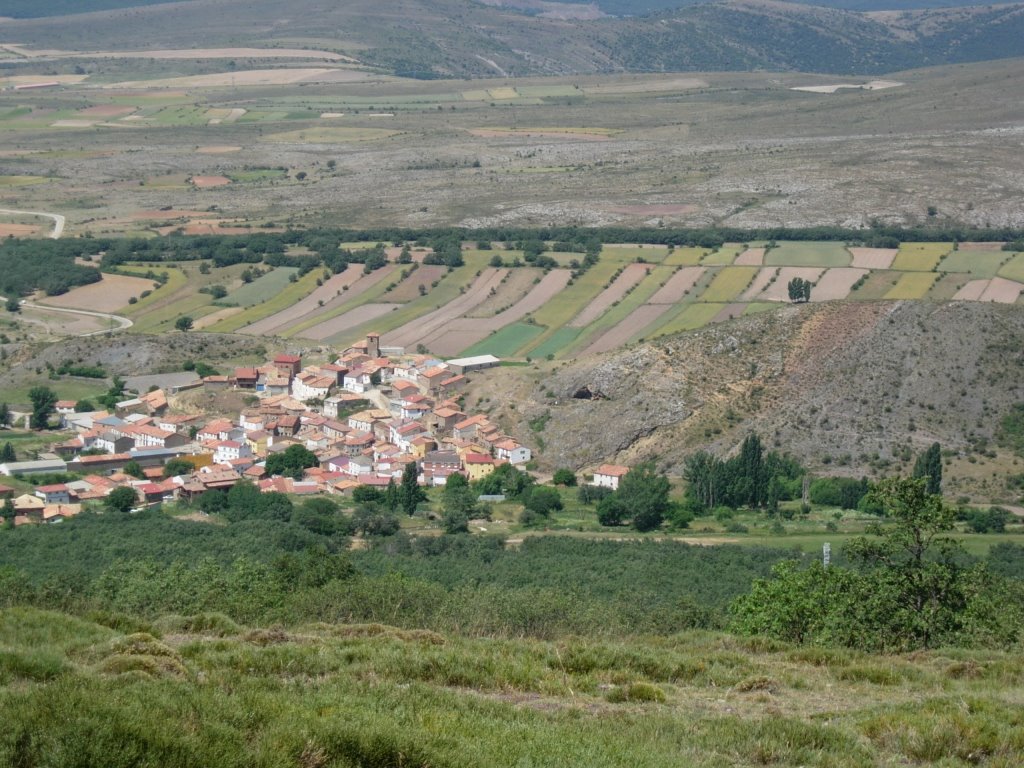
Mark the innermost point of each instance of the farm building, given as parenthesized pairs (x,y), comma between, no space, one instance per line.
(42,466)
(477,363)
(608,476)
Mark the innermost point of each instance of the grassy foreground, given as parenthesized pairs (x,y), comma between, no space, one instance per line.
(202,691)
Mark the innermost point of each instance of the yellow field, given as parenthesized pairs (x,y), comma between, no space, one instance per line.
(503,93)
(723,257)
(686,257)
(1014,269)
(912,286)
(693,316)
(728,284)
(653,254)
(920,257)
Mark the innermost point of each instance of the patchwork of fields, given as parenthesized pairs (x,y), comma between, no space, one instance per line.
(635,291)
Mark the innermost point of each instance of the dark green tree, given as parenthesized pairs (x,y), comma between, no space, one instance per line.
(183,323)
(121,499)
(564,476)
(7,453)
(176,467)
(43,400)
(409,493)
(929,467)
(5,415)
(391,496)
(611,511)
(458,498)
(291,462)
(644,492)
(134,469)
(543,500)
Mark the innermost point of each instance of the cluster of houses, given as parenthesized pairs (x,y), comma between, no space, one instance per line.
(365,416)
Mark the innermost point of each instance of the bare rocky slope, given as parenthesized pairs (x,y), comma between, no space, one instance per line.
(848,388)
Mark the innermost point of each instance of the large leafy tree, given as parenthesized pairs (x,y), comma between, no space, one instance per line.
(291,461)
(908,587)
(43,400)
(644,493)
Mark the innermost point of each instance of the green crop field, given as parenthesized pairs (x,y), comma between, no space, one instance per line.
(686,257)
(920,257)
(728,284)
(263,288)
(330,135)
(1014,269)
(723,257)
(290,294)
(643,291)
(808,254)
(975,263)
(555,342)
(760,306)
(912,285)
(506,342)
(692,316)
(570,302)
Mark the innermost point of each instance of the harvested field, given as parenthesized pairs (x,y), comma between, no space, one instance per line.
(108,295)
(764,277)
(836,283)
(343,322)
(340,302)
(1014,269)
(248,78)
(631,327)
(1002,291)
(517,283)
(423,327)
(215,317)
(631,275)
(972,291)
(72,123)
(18,230)
(205,182)
(270,326)
(168,214)
(63,323)
(983,246)
(729,312)
(873,85)
(677,286)
(808,254)
(752,257)
(912,285)
(392,252)
(920,257)
(779,290)
(192,53)
(462,332)
(729,283)
(979,263)
(873,258)
(409,288)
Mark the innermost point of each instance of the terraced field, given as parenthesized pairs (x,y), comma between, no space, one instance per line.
(634,291)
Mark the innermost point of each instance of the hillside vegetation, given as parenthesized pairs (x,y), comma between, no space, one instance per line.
(462,38)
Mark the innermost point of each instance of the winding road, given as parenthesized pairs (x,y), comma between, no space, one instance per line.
(58,230)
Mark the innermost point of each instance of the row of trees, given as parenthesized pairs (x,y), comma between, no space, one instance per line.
(752,478)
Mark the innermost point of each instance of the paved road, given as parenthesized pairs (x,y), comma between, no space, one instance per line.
(58,220)
(58,230)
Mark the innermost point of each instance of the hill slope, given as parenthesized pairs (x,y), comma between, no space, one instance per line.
(861,388)
(463,38)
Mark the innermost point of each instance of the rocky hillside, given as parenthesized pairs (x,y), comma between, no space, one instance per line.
(848,388)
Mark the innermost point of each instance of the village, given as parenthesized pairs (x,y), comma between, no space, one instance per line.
(365,418)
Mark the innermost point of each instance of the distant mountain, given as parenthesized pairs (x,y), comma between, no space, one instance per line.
(469,38)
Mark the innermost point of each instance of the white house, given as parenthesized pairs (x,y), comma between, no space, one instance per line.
(311,386)
(512,452)
(608,476)
(230,450)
